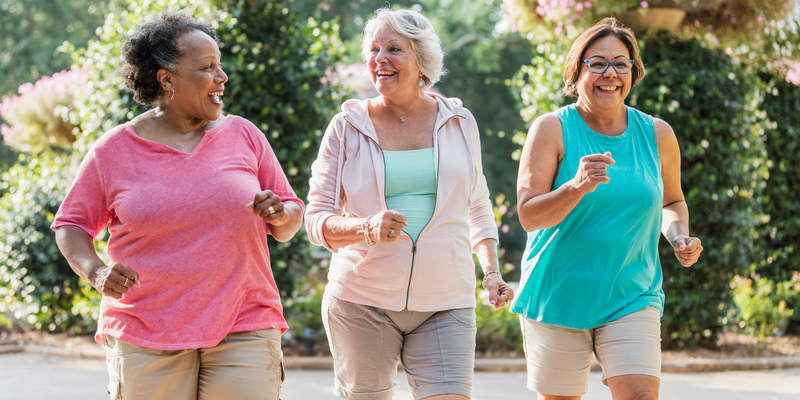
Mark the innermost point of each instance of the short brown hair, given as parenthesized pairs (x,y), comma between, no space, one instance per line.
(604,28)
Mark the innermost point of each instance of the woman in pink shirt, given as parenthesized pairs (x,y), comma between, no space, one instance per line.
(190,308)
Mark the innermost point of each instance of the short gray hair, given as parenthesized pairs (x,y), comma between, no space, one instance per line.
(417,29)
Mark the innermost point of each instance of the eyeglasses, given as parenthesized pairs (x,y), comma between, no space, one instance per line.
(599,66)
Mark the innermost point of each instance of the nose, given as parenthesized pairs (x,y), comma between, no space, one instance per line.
(610,71)
(221,77)
(381,58)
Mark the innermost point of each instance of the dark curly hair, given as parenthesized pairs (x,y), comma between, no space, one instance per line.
(154,46)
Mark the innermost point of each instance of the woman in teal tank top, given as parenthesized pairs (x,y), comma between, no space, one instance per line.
(598,183)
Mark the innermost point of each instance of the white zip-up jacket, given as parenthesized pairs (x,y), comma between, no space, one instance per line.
(348,178)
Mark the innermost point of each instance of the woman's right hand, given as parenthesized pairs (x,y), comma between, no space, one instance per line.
(386,226)
(113,280)
(592,172)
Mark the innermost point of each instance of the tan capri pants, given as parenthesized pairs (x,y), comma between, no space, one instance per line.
(244,365)
(559,358)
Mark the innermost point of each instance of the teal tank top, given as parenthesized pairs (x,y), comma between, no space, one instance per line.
(601,262)
(411,187)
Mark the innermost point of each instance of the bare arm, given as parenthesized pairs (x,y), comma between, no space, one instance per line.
(384,227)
(110,280)
(675,216)
(539,206)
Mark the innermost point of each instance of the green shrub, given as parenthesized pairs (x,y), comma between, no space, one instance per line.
(36,283)
(304,315)
(711,103)
(761,308)
(781,231)
(497,329)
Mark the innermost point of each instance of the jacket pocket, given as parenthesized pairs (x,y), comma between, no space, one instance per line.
(436,266)
(384,267)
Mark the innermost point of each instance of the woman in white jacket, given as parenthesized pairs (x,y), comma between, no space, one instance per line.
(404,169)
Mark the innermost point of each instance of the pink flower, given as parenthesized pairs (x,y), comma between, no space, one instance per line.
(505,228)
(793,75)
(587,4)
(644,4)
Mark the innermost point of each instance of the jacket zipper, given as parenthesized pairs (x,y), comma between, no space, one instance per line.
(413,242)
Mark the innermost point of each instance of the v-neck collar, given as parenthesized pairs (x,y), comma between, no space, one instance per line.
(163,148)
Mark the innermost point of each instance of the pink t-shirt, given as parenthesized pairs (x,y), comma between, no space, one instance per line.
(179,220)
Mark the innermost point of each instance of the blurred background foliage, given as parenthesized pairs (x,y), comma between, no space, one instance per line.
(725,80)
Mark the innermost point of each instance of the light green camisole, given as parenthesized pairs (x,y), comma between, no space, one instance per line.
(411,187)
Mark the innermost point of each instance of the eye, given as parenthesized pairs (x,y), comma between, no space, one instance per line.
(623,64)
(593,63)
(374,50)
(395,48)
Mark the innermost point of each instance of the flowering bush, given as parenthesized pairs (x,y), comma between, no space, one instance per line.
(36,114)
(352,78)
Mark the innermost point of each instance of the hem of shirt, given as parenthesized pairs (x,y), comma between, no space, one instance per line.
(628,309)
(98,337)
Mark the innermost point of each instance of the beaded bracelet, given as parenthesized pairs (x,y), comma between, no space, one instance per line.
(486,275)
(367,236)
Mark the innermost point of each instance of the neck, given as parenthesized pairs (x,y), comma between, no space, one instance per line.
(605,118)
(177,122)
(403,105)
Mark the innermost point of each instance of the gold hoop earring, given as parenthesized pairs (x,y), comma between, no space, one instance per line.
(172,93)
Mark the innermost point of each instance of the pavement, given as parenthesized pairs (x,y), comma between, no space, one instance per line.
(37,376)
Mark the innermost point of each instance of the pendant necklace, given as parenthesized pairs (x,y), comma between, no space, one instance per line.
(403,118)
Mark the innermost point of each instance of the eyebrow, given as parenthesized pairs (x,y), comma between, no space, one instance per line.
(599,56)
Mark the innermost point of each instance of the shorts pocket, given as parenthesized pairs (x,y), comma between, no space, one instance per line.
(465,316)
(346,309)
(114,364)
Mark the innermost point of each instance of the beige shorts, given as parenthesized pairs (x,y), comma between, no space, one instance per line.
(559,358)
(245,365)
(437,350)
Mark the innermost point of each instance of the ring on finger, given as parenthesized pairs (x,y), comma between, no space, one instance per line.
(391,233)
(126,282)
(271,210)
(394,215)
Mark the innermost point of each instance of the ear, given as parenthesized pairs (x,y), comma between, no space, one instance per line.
(164,78)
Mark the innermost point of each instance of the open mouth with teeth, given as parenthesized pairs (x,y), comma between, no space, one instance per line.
(606,88)
(386,74)
(214,96)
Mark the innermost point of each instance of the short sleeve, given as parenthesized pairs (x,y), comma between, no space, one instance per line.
(85,205)
(270,173)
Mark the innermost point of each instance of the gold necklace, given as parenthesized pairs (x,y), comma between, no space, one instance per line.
(403,118)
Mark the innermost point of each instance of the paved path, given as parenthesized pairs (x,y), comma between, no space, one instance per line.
(35,377)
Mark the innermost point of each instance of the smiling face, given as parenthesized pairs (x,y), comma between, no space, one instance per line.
(606,91)
(392,64)
(199,79)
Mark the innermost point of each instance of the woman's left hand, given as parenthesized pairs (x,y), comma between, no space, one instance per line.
(500,294)
(687,249)
(269,207)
